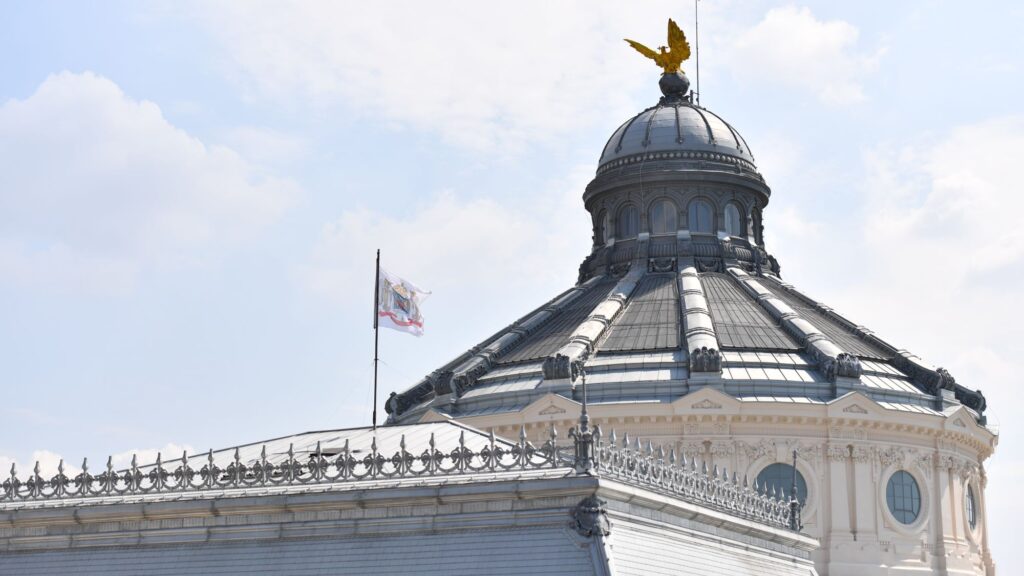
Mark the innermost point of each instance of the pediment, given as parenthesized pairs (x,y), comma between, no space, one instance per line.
(706,401)
(553,407)
(854,405)
(433,415)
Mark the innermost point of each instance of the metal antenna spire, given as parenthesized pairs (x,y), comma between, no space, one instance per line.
(794,503)
(376,336)
(696,41)
(583,437)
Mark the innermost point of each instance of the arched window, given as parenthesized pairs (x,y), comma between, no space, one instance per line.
(972,508)
(663,217)
(628,222)
(702,219)
(780,477)
(733,223)
(903,497)
(602,231)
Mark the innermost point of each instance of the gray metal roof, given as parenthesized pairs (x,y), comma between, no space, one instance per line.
(739,322)
(650,320)
(633,326)
(553,334)
(675,127)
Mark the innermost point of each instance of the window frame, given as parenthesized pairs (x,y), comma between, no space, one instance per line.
(740,232)
(802,490)
(671,213)
(915,497)
(620,234)
(693,217)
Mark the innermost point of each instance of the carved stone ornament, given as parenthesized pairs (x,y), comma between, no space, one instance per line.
(662,264)
(708,265)
(892,455)
(723,448)
(855,409)
(619,269)
(590,517)
(861,453)
(944,380)
(561,366)
(842,366)
(706,404)
(838,453)
(759,450)
(705,359)
(552,409)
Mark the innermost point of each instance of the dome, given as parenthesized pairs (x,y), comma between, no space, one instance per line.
(679,128)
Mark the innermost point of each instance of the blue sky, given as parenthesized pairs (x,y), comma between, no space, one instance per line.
(191,194)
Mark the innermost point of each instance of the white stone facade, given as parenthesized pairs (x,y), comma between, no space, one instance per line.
(847,450)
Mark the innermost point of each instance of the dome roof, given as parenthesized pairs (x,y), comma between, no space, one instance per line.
(675,127)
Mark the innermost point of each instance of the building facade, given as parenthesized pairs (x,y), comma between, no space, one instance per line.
(689,337)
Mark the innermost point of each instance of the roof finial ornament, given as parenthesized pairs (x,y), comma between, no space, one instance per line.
(674,83)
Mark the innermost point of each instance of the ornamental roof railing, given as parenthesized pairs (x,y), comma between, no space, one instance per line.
(628,462)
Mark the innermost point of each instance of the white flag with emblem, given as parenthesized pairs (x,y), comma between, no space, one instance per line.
(398,304)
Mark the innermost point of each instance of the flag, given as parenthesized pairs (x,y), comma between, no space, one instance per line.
(398,304)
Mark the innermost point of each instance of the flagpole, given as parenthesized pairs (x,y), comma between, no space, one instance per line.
(376,335)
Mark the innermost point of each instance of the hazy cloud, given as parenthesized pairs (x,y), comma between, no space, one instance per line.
(94,184)
(453,245)
(790,46)
(462,70)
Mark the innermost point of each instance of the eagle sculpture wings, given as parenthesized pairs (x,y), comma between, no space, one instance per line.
(671,57)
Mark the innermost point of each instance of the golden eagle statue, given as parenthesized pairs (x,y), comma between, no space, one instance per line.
(668,58)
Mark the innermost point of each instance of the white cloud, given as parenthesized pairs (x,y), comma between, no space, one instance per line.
(94,185)
(790,46)
(955,201)
(481,78)
(451,245)
(50,461)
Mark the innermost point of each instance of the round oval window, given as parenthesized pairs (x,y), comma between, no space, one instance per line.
(903,497)
(972,508)
(779,477)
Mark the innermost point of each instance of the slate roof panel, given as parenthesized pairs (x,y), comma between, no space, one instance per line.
(650,320)
(555,333)
(739,321)
(839,334)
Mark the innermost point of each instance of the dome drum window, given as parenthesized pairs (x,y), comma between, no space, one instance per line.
(663,217)
(701,218)
(903,497)
(603,230)
(733,222)
(628,222)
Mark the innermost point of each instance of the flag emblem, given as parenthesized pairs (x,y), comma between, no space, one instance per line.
(398,304)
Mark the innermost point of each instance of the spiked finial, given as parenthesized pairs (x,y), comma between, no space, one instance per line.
(60,467)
